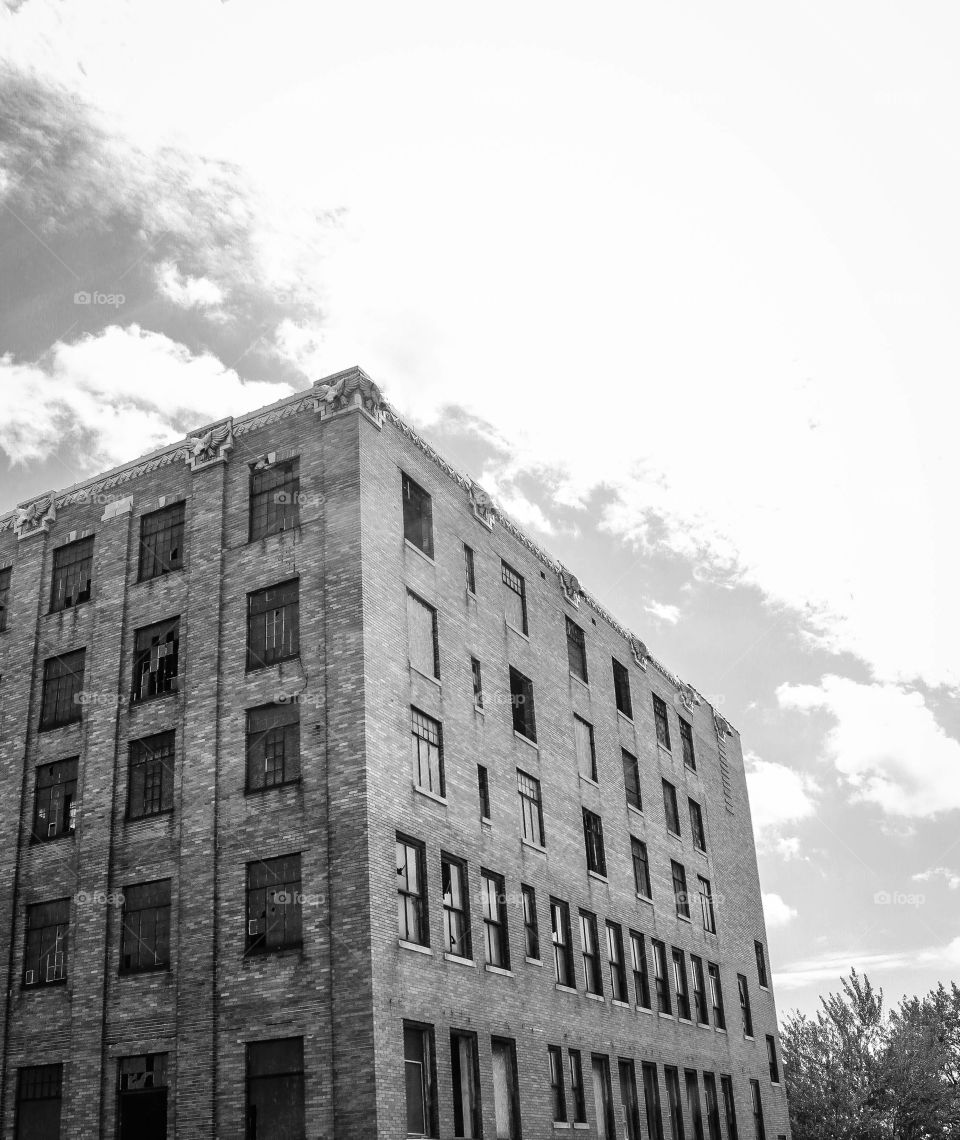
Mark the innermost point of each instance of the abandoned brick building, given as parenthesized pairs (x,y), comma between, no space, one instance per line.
(333,807)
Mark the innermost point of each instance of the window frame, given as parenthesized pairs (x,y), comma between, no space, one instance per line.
(43,1091)
(697,830)
(71,578)
(56,802)
(267,493)
(576,650)
(561,936)
(6,583)
(37,942)
(151,755)
(161,543)
(294,1078)
(160,912)
(661,721)
(456,912)
(681,896)
(716,995)
(759,1125)
(483,790)
(661,980)
(584,736)
(531,922)
(631,779)
(427,748)
(522,705)
(496,933)
(671,1079)
(773,1062)
(417,898)
(531,809)
(154,1070)
(470,569)
(707,912)
(575,1065)
(761,956)
(593,843)
(286,613)
(417,506)
(64,686)
(474,1106)
(622,696)
(671,808)
(641,868)
(476,675)
(516,584)
(590,953)
(558,1092)
(729,1106)
(277,717)
(700,1006)
(746,1012)
(427,1060)
(155,671)
(616,962)
(681,983)
(640,969)
(260,942)
(429,612)
(686,741)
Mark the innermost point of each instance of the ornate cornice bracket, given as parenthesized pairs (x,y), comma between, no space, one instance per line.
(689,697)
(36,517)
(346,391)
(640,652)
(722,725)
(482,505)
(570,584)
(212,445)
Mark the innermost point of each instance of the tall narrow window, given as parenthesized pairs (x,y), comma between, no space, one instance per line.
(651,1096)
(631,779)
(156,657)
(693,1102)
(661,984)
(145,940)
(72,574)
(562,943)
(747,1016)
(772,1060)
(761,963)
(477,683)
(686,740)
(603,1097)
(412,892)
(531,927)
(5,575)
(716,996)
(274,1088)
(483,786)
(142,1096)
(713,1106)
(680,895)
(465,1076)
(557,1089)
(680,983)
(759,1129)
(422,643)
(660,721)
(61,702)
(150,784)
(576,1087)
(621,689)
(514,598)
(273,624)
(469,569)
(506,1095)
(274,498)
(420,1072)
(521,700)
(417,516)
(699,990)
(39,1099)
(591,952)
(427,743)
(618,969)
(629,1101)
(576,651)
(670,810)
(593,840)
(586,749)
(641,868)
(672,1080)
(273,904)
(706,905)
(696,826)
(531,808)
(48,927)
(496,939)
(456,907)
(161,542)
(273,745)
(729,1107)
(641,975)
(55,800)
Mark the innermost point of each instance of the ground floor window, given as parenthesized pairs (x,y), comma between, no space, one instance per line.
(275,1089)
(506,1100)
(142,1097)
(420,1077)
(39,1094)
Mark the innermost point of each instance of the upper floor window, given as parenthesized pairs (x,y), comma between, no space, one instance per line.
(772,1060)
(142,1095)
(72,574)
(420,1080)
(150,786)
(39,1097)
(274,498)
(493,893)
(576,1087)
(273,745)
(729,1106)
(61,702)
(593,840)
(521,700)
(641,867)
(576,651)
(422,642)
(483,788)
(469,569)
(680,983)
(758,1125)
(45,959)
(696,826)
(54,811)
(273,624)
(477,678)
(660,721)
(591,952)
(670,810)
(706,905)
(621,689)
(412,891)
(618,969)
(531,808)
(686,740)
(557,1091)
(515,597)
(417,516)
(562,945)
(427,740)
(161,542)
(744,993)
(145,942)
(631,779)
(275,1087)
(661,982)
(156,653)
(531,925)
(456,907)
(761,963)
(5,575)
(716,995)
(586,748)
(680,895)
(273,904)
(699,990)
(641,974)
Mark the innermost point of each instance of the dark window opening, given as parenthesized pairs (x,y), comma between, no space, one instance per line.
(699,990)
(706,905)
(558,1095)
(531,925)
(716,996)
(747,1016)
(651,1096)
(681,898)
(686,740)
(618,968)
(761,963)
(39,1099)
(469,569)
(593,841)
(680,983)
(273,624)
(631,779)
(417,516)
(621,689)
(629,1101)
(55,806)
(5,575)
(603,1098)
(515,597)
(772,1060)
(412,891)
(275,1089)
(161,542)
(45,959)
(759,1128)
(661,983)
(477,678)
(496,939)
(150,788)
(62,699)
(273,745)
(156,654)
(591,953)
(72,574)
(521,700)
(641,974)
(729,1107)
(456,907)
(713,1106)
(273,904)
(660,721)
(641,867)
(670,810)
(465,1074)
(586,748)
(672,1080)
(576,1087)
(696,826)
(274,498)
(142,1097)
(483,787)
(145,941)
(576,651)
(562,943)
(693,1102)
(531,808)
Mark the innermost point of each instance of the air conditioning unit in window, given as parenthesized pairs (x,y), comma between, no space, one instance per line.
(28,978)
(51,829)
(55,968)
(253,927)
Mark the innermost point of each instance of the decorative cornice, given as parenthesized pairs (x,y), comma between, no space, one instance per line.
(35,517)
(570,584)
(351,388)
(212,445)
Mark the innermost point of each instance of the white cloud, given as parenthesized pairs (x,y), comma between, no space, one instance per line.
(833,965)
(777,912)
(664,611)
(778,796)
(186,291)
(885,743)
(951,878)
(787,847)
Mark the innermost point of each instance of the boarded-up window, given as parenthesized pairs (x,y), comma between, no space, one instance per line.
(422,636)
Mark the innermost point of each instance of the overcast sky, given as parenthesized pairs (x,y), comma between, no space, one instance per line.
(677,283)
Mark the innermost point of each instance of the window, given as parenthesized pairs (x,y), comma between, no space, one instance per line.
(477,683)
(273,745)
(660,721)
(39,1097)
(142,1097)
(758,1126)
(62,689)
(693,1102)
(631,779)
(273,904)
(772,1060)
(713,1106)
(593,840)
(576,651)
(497,942)
(531,808)
(672,1079)
(557,1091)
(745,1013)
(150,784)
(621,689)
(521,699)
(417,516)
(628,1098)
(761,963)
(716,996)
(641,975)
(706,905)
(427,743)
(729,1107)
(699,990)
(586,750)
(641,867)
(562,943)
(506,1100)
(54,805)
(5,575)
(422,644)
(145,940)
(275,1088)
(603,1097)
(576,1087)
(670,810)
(421,1079)
(274,498)
(514,597)
(591,952)
(483,786)
(680,889)
(531,927)
(156,652)
(696,826)
(465,1075)
(45,959)
(651,1095)
(161,542)
(686,740)
(661,985)
(470,569)
(456,907)
(273,624)
(618,969)
(680,983)
(412,892)
(72,574)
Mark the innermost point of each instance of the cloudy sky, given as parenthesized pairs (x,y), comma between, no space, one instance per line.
(676,282)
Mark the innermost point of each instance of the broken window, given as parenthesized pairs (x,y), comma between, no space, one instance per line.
(48,926)
(151,775)
(465,1074)
(621,689)
(759,1128)
(497,942)
(62,689)
(531,808)
(417,516)
(483,786)
(412,891)
(145,942)
(686,740)
(660,721)
(420,1079)
(531,926)
(521,699)
(477,683)
(696,826)
(456,907)
(576,651)
(427,741)
(681,898)
(706,905)
(761,962)
(747,1016)
(680,984)
(631,779)
(273,745)
(39,1098)
(641,867)
(514,597)
(716,995)
(72,574)
(275,1089)
(670,810)
(161,542)
(274,498)
(557,1090)
(562,943)
(422,643)
(641,974)
(273,904)
(586,749)
(699,990)
(54,812)
(142,1097)
(618,969)
(590,952)
(470,569)
(273,624)
(156,653)
(661,983)
(576,1087)
(593,841)
(5,576)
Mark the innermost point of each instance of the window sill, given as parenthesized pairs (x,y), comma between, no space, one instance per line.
(621,1004)
(41,840)
(580,681)
(487,822)
(533,961)
(558,1124)
(162,969)
(266,788)
(271,664)
(54,727)
(719,1029)
(748,1037)
(479,709)
(638,811)
(766,989)
(674,834)
(664,750)
(644,1009)
(426,676)
(685,918)
(690,768)
(498,970)
(665,1016)
(595,997)
(685,1021)
(429,795)
(579,1124)
(415,947)
(645,898)
(458,960)
(600,878)
(526,740)
(623,716)
(776,1084)
(518,632)
(564,989)
(151,699)
(703,851)
(42,985)
(152,815)
(422,553)
(541,850)
(704,1025)
(588,780)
